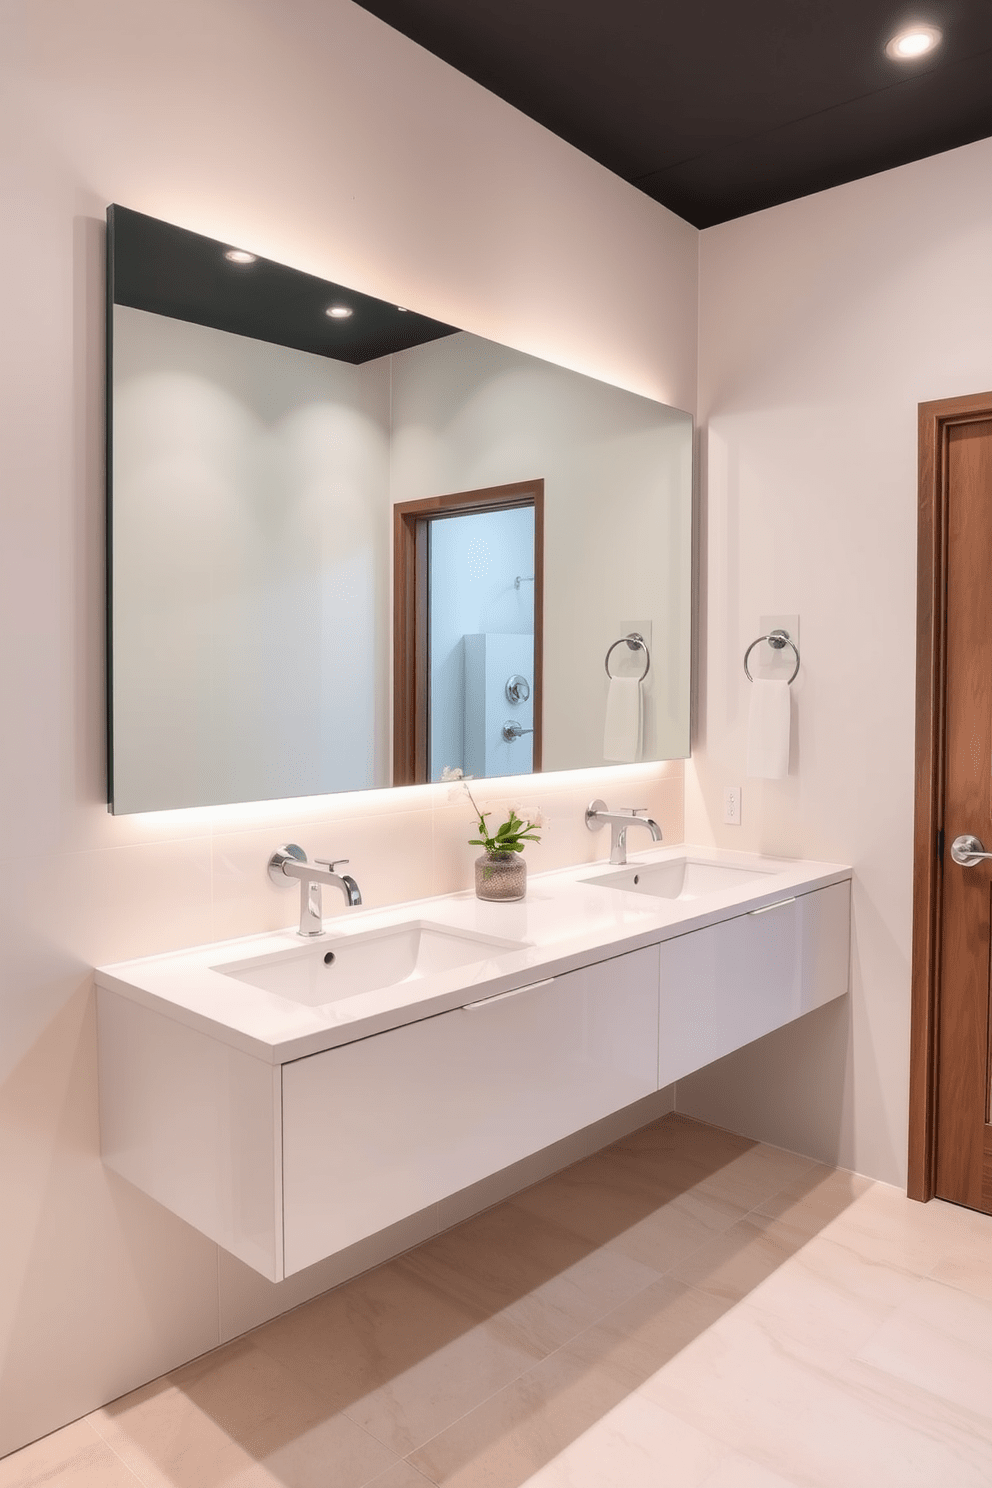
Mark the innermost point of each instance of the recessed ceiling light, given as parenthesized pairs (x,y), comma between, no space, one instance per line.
(238,255)
(339,312)
(913,42)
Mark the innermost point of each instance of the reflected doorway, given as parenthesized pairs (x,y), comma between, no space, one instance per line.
(468,607)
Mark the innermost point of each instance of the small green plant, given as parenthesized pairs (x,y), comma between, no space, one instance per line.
(512,837)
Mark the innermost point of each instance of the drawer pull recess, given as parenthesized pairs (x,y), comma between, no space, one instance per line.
(779,903)
(471,1007)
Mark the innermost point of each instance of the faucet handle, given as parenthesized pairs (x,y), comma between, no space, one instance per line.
(331,863)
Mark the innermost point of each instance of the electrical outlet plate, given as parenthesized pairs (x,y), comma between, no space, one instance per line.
(732,805)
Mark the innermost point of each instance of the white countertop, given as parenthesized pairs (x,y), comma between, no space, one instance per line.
(564,923)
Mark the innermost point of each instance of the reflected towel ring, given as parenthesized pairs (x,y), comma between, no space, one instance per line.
(778,640)
(636,642)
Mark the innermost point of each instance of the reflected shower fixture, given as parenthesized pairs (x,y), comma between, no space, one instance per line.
(512,730)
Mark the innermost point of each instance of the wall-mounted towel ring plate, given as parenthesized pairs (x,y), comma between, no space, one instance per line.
(778,640)
(636,642)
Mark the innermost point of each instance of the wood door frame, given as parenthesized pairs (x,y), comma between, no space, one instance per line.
(936,420)
(410,615)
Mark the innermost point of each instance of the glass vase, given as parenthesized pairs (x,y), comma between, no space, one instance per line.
(500,876)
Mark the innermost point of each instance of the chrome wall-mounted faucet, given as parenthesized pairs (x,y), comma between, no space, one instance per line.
(598,816)
(291,862)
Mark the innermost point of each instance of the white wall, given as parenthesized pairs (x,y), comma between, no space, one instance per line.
(312,133)
(823,324)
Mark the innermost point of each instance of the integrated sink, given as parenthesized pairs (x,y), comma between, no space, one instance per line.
(680,878)
(334,968)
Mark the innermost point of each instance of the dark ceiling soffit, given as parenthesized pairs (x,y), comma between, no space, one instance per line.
(925,116)
(716,110)
(168,270)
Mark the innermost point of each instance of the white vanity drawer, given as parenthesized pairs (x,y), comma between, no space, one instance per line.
(376,1130)
(728,984)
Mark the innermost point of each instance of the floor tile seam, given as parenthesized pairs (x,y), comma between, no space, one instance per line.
(783,1193)
(421,1471)
(600,1317)
(396,1456)
(596,1318)
(105,1440)
(476,1405)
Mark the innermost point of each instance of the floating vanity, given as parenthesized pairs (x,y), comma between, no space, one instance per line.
(291,1098)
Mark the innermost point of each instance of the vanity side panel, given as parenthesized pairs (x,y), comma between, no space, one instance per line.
(193,1123)
(378,1129)
(825,920)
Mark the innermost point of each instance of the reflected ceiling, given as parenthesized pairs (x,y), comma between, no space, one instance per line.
(183,275)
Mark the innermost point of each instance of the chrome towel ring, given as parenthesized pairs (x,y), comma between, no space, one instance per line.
(636,642)
(778,640)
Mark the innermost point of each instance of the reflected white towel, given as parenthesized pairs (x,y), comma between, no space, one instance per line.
(768,730)
(622,733)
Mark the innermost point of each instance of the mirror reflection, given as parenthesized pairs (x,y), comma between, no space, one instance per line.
(374,551)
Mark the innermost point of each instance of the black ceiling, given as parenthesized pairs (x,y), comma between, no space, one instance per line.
(168,270)
(717,108)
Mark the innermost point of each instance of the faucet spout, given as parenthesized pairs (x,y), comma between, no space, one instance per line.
(291,862)
(619,821)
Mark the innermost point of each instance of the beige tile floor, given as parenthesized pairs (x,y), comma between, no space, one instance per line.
(687,1309)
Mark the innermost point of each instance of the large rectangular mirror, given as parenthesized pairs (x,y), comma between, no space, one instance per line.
(350,546)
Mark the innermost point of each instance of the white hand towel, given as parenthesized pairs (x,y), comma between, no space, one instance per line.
(622,733)
(768,730)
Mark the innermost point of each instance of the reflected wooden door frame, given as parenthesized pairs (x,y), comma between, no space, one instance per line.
(411,681)
(936,420)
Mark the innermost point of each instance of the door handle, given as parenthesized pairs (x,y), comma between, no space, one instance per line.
(967,851)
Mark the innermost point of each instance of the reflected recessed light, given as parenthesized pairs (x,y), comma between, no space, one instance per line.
(238,255)
(914,42)
(339,312)
(401,309)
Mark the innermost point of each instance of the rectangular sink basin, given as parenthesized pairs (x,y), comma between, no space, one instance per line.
(679,878)
(332,969)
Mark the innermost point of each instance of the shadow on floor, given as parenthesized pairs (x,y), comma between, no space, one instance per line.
(486,1350)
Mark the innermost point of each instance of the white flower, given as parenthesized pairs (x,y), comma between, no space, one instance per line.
(454,777)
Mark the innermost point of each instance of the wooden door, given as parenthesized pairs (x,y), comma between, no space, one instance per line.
(411,612)
(950,1136)
(964,1131)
